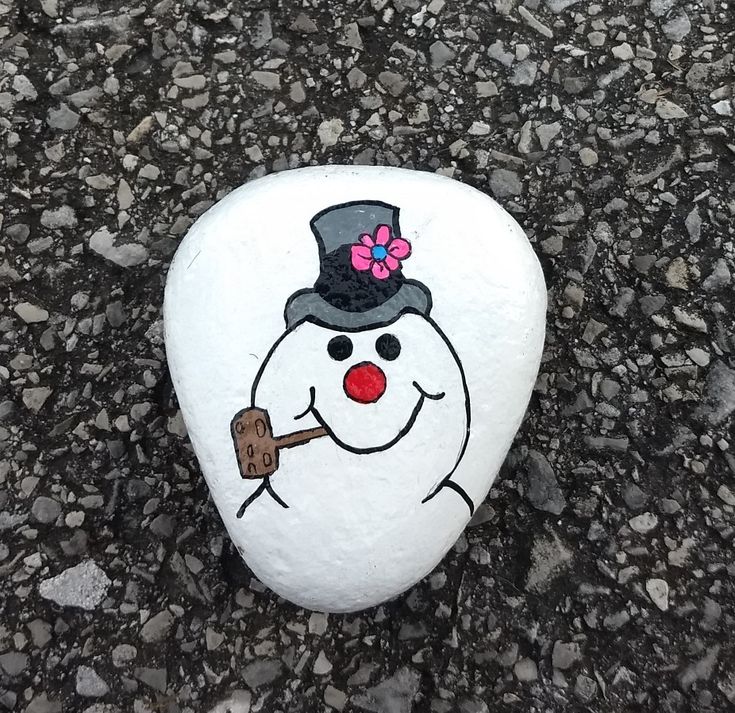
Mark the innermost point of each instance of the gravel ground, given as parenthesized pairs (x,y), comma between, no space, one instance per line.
(598,576)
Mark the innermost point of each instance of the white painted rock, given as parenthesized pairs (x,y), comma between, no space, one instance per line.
(394,322)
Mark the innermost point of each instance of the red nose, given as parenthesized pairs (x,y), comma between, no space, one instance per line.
(364,383)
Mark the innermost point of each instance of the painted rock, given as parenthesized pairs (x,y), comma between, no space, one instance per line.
(353,350)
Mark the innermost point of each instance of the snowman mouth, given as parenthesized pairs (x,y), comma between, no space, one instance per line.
(423,395)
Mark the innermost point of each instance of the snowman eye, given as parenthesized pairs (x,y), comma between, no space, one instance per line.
(340,348)
(388,347)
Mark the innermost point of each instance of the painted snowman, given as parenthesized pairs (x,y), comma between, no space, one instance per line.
(362,364)
(353,349)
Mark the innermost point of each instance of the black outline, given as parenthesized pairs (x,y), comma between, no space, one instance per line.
(395,211)
(445,482)
(346,356)
(357,366)
(265,485)
(408,309)
(423,395)
(377,349)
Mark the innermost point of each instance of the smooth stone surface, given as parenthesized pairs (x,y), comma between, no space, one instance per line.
(419,369)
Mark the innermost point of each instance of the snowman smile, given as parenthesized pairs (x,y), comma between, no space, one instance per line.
(423,395)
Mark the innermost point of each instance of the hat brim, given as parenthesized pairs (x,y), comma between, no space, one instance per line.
(308,305)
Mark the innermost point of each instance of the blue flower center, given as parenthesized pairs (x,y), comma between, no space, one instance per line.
(379,252)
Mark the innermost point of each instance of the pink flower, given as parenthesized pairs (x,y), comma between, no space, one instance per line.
(380,252)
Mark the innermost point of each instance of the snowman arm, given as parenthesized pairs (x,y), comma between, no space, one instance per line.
(446,481)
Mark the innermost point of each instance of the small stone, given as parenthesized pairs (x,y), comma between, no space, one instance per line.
(30,313)
(623,52)
(479,128)
(297,93)
(726,495)
(644,523)
(592,330)
(668,110)
(634,497)
(393,695)
(688,319)
(34,398)
(393,82)
(613,622)
(86,97)
(440,54)
(149,172)
(115,314)
(677,274)
(268,80)
(356,78)
(40,632)
(658,590)
(335,698)
(524,73)
(50,7)
(62,118)
(329,132)
(486,89)
(89,684)
(198,101)
(22,85)
(565,655)
(62,217)
(263,32)
(543,492)
(322,665)
(155,678)
(262,672)
(351,36)
(575,85)
(123,654)
(596,38)
(585,688)
(718,399)
(497,52)
(163,525)
(213,639)
(525,670)
(534,23)
(126,255)
(237,701)
(124,195)
(45,510)
(693,224)
(677,27)
(143,128)
(157,627)
(13,663)
(303,25)
(84,585)
(318,622)
(505,183)
(587,156)
(661,7)
(546,133)
(719,277)
(723,107)
(549,559)
(700,670)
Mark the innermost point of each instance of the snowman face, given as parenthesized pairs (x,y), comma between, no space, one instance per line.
(369,389)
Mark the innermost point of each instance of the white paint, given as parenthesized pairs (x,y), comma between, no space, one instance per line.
(356,531)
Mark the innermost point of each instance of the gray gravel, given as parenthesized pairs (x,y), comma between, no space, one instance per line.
(598,576)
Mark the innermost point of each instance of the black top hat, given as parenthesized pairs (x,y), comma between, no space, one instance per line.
(360,283)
